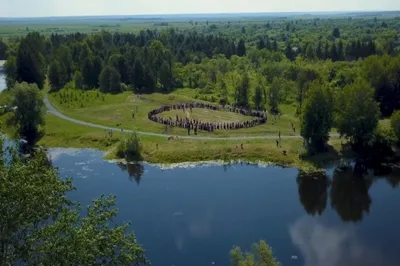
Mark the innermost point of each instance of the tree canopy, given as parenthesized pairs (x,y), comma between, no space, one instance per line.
(357,112)
(317,116)
(39,225)
(261,256)
(29,111)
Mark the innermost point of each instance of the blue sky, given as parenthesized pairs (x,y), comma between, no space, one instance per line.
(40,8)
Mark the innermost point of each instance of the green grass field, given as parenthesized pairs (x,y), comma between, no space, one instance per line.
(23,27)
(110,110)
(62,133)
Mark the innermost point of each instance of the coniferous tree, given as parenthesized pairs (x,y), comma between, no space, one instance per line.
(30,62)
(289,52)
(55,76)
(242,91)
(261,44)
(241,48)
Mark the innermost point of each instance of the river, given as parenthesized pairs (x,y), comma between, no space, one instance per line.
(2,76)
(194,215)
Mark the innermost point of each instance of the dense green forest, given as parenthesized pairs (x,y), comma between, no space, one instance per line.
(253,65)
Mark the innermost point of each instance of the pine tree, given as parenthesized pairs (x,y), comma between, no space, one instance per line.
(241,48)
(318,51)
(242,91)
(78,80)
(55,76)
(261,44)
(336,33)
(104,79)
(87,69)
(340,50)
(326,54)
(333,53)
(258,97)
(289,51)
(115,81)
(275,46)
(137,75)
(31,64)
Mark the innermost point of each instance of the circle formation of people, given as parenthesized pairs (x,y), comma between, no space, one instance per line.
(259,117)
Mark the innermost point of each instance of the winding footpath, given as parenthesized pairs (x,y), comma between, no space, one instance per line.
(52,110)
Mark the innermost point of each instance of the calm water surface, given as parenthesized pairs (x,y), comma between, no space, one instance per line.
(193,216)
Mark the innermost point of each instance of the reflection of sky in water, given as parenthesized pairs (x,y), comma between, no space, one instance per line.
(333,245)
(194,215)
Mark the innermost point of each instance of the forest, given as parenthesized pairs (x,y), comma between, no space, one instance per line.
(350,65)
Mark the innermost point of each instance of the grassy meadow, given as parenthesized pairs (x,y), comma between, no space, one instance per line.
(110,110)
(62,133)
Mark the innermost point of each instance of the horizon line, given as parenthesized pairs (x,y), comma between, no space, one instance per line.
(208,13)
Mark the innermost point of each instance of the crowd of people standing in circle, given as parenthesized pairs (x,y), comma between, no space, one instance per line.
(259,117)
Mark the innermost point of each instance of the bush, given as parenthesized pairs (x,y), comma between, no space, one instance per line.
(395,122)
(382,141)
(223,101)
(130,148)
(69,86)
(124,87)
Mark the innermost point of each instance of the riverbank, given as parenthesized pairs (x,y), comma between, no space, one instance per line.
(62,133)
(256,146)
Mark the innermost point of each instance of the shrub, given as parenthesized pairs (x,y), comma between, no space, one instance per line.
(382,141)
(124,87)
(395,122)
(130,148)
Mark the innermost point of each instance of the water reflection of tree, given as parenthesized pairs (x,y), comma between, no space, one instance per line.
(349,194)
(135,171)
(393,178)
(313,192)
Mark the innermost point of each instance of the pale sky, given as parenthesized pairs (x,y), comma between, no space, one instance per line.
(44,8)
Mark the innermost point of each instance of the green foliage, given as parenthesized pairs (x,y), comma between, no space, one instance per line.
(284,56)
(382,141)
(336,33)
(384,75)
(357,112)
(274,94)
(3,50)
(258,98)
(29,112)
(130,148)
(10,70)
(261,256)
(119,62)
(78,80)
(30,62)
(105,79)
(242,91)
(395,123)
(55,76)
(87,68)
(138,75)
(40,226)
(317,116)
(110,80)
(241,48)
